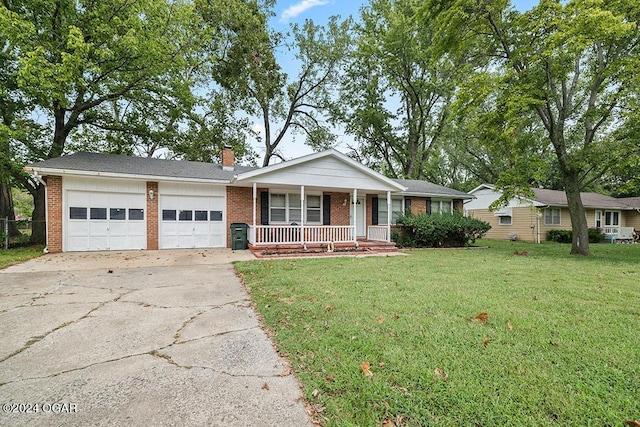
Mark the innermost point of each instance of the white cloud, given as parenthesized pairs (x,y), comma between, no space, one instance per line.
(298,8)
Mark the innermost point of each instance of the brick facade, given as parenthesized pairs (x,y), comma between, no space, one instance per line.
(240,207)
(55,215)
(340,214)
(152,216)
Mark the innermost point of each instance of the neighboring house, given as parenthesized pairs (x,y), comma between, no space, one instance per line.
(531,218)
(112,202)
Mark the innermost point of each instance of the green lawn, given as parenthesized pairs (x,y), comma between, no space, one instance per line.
(17,255)
(561,345)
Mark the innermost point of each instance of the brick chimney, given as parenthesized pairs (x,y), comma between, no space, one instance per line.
(228,161)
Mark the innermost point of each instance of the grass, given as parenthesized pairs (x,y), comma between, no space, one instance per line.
(17,255)
(561,345)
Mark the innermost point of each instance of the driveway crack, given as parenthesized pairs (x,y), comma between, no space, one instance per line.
(38,338)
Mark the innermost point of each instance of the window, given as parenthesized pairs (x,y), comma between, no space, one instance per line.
(552,216)
(185,216)
(77,213)
(136,214)
(504,220)
(201,215)
(396,210)
(286,208)
(313,208)
(215,216)
(598,219)
(441,206)
(98,213)
(611,218)
(117,214)
(168,215)
(278,209)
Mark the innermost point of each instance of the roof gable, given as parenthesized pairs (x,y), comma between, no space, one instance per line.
(329,169)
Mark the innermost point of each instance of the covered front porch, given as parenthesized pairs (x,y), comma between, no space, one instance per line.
(323,200)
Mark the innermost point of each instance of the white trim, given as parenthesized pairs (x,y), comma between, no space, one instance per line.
(137,177)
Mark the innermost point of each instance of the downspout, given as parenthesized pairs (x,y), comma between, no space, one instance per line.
(46,212)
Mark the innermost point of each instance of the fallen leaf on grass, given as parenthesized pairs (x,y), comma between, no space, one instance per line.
(388,423)
(396,316)
(509,326)
(381,364)
(366,369)
(485,341)
(315,393)
(632,423)
(441,374)
(482,317)
(330,378)
(330,307)
(380,319)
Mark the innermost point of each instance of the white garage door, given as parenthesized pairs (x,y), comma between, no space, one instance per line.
(105,220)
(193,218)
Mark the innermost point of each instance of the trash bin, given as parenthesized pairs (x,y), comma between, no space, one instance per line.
(239,238)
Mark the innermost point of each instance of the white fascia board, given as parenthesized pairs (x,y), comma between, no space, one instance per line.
(247,176)
(71,172)
(483,187)
(440,195)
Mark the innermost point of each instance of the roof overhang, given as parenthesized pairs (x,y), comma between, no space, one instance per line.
(137,177)
(439,195)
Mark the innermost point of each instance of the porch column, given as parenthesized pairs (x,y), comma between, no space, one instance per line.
(355,216)
(302,215)
(389,214)
(255,206)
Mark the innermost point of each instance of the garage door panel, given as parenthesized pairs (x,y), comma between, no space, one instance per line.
(98,231)
(195,230)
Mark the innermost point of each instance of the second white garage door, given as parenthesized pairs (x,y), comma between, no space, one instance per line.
(192,216)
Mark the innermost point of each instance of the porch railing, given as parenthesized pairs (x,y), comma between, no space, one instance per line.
(291,234)
(377,232)
(612,230)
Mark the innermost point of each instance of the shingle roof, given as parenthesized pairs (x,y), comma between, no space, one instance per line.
(118,164)
(427,188)
(590,200)
(633,202)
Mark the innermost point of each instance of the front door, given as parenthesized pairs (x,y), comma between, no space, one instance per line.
(360,216)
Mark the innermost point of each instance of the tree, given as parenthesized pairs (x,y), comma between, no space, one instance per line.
(570,65)
(396,91)
(286,105)
(80,63)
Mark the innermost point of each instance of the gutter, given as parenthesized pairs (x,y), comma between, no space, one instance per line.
(46,212)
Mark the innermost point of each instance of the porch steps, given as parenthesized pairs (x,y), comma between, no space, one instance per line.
(320,249)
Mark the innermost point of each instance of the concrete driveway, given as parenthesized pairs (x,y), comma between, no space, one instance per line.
(163,338)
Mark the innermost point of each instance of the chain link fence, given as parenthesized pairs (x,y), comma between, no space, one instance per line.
(15,232)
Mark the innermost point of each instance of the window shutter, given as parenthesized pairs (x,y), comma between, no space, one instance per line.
(429,207)
(407,205)
(374,210)
(264,207)
(326,209)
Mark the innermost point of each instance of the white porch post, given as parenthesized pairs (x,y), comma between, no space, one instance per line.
(255,207)
(389,214)
(302,215)
(355,215)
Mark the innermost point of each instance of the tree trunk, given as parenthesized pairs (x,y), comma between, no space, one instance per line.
(39,227)
(580,241)
(6,209)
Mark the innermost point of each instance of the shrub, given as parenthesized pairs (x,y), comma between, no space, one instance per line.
(560,236)
(439,230)
(565,236)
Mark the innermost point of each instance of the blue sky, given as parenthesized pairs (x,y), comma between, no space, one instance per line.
(297,11)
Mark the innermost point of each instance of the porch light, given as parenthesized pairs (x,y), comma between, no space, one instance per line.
(151,193)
